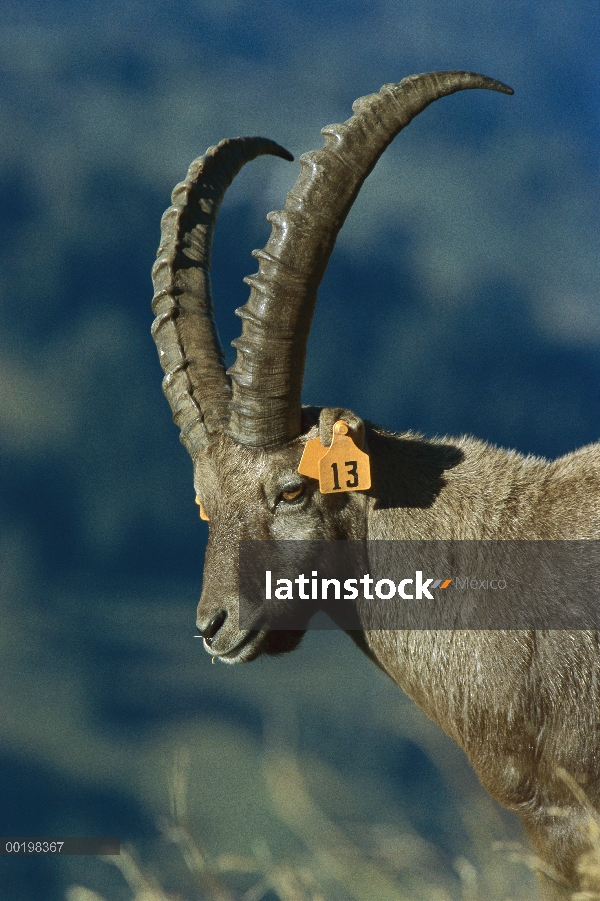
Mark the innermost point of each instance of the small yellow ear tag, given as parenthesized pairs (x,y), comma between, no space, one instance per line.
(203,513)
(341,467)
(344,467)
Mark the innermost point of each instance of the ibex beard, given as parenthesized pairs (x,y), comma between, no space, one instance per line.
(521,703)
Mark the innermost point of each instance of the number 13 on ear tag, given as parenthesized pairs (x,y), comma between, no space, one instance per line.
(344,467)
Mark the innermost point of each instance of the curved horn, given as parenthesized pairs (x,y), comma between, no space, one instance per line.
(268,372)
(184,330)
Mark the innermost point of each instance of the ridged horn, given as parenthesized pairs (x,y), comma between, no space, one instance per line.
(195,383)
(268,372)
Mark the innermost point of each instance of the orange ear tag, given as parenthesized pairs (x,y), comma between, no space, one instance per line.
(203,513)
(344,467)
(313,452)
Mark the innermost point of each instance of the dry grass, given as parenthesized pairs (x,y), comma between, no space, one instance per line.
(396,867)
(589,863)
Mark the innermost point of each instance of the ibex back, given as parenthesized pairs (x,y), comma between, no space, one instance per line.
(522,704)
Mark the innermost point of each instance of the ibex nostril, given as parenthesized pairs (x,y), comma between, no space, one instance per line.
(213,627)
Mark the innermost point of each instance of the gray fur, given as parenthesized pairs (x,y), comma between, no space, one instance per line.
(522,704)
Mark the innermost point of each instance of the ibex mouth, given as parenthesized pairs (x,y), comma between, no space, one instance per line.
(238,652)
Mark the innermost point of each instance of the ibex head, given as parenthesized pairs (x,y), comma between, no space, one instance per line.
(246,428)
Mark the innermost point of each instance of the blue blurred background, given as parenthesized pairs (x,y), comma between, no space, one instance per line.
(462,297)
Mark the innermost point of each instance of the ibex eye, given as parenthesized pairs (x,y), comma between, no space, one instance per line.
(293,494)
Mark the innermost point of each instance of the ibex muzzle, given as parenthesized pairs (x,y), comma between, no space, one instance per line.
(522,704)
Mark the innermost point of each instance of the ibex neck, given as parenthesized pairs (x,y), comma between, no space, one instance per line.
(451,489)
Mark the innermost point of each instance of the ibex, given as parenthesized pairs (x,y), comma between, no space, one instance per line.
(522,704)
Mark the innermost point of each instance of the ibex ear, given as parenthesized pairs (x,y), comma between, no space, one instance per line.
(330,415)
